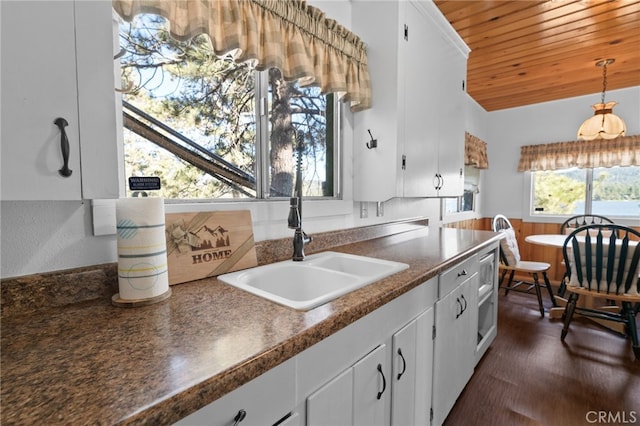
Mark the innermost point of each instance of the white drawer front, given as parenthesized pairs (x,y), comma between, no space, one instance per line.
(456,275)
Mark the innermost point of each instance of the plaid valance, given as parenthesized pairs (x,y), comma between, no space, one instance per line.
(622,151)
(475,152)
(290,35)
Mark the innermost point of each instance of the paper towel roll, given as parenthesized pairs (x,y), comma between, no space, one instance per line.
(142,249)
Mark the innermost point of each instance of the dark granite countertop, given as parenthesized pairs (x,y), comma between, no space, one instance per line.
(93,363)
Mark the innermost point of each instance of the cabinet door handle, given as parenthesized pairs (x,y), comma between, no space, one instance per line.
(64,146)
(384,382)
(461,310)
(465,304)
(239,417)
(462,273)
(441,181)
(404,364)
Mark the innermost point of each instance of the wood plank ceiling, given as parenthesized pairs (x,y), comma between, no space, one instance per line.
(526,52)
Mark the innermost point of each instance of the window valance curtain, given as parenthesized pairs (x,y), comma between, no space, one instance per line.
(290,35)
(622,151)
(475,152)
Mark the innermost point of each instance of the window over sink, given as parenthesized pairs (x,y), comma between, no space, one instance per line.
(214,129)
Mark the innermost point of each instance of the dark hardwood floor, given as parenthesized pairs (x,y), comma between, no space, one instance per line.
(529,377)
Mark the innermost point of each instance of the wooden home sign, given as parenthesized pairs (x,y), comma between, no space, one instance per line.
(207,244)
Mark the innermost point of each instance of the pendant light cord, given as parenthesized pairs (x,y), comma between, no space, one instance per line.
(604,80)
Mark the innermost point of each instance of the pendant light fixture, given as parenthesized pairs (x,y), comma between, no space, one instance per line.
(604,124)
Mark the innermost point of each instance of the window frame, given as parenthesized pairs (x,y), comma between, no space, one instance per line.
(261,144)
(527,206)
(340,204)
(462,215)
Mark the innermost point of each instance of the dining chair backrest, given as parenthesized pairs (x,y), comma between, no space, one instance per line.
(604,259)
(500,222)
(509,251)
(581,220)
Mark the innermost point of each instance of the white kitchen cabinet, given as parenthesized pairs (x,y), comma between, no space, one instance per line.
(265,400)
(405,363)
(295,419)
(371,388)
(487,300)
(456,326)
(60,65)
(418,67)
(332,404)
(357,396)
(405,322)
(412,354)
(433,152)
(376,171)
(451,70)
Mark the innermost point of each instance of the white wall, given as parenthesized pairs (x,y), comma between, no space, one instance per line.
(546,122)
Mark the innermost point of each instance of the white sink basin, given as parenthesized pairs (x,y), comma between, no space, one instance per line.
(318,279)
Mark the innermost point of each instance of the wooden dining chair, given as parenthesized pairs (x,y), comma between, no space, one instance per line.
(510,262)
(581,220)
(604,262)
(570,225)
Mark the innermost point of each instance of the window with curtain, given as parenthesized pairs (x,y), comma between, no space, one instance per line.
(475,154)
(217,95)
(584,177)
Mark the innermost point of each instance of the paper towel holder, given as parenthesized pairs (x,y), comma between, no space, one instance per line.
(134,303)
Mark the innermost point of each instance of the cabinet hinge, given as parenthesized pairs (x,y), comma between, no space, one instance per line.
(404,162)
(433,333)
(406,32)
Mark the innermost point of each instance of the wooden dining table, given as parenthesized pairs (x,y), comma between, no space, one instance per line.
(557,240)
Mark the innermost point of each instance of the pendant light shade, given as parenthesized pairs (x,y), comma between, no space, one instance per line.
(604,124)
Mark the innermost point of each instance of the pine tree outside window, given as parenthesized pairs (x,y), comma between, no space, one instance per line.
(211,128)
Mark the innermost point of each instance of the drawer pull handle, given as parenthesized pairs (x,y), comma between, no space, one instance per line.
(404,364)
(384,382)
(461,309)
(463,273)
(64,146)
(239,417)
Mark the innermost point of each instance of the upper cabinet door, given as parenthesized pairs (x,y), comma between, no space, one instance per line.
(452,120)
(423,96)
(418,103)
(38,86)
(57,62)
(376,171)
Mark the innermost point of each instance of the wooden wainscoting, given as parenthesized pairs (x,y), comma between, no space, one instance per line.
(480,224)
